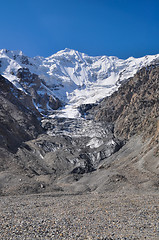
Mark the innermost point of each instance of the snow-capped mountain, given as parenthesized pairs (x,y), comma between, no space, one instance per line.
(119,137)
(68,78)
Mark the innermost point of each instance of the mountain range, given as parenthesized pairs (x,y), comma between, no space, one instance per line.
(75,123)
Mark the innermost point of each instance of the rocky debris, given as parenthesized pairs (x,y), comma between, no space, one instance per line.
(87,136)
(88,216)
(76,127)
(62,153)
(71,147)
(132,168)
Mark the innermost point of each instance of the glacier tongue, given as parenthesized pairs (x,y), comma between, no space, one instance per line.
(72,77)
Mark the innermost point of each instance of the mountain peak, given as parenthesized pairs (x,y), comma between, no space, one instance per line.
(11,52)
(67,51)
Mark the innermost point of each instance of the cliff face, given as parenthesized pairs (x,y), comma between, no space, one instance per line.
(134,108)
(18,117)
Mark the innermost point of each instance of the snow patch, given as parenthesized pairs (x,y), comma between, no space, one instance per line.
(95,143)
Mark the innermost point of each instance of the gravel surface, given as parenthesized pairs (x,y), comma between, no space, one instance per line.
(91,216)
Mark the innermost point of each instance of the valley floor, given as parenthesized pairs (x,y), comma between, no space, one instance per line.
(108,216)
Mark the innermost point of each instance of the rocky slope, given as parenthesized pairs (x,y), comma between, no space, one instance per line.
(111,145)
(134,108)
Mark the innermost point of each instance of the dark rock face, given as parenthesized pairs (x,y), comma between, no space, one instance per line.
(18,117)
(34,86)
(84,108)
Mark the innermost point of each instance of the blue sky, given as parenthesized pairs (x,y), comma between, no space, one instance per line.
(97,27)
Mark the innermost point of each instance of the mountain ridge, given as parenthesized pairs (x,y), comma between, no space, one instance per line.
(69,77)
